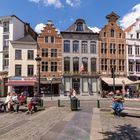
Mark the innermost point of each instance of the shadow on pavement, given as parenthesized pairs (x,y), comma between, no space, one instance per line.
(123,132)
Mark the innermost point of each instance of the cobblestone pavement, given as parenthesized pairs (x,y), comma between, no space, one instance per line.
(126,127)
(60,123)
(53,123)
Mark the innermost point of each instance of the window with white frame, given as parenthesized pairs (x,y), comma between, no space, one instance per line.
(103,64)
(137,66)
(93,65)
(30,54)
(130,66)
(76,64)
(30,70)
(18,55)
(53,66)
(66,64)
(53,52)
(66,46)
(137,50)
(44,66)
(93,47)
(75,46)
(84,47)
(103,48)
(130,49)
(44,52)
(5,42)
(17,70)
(6,26)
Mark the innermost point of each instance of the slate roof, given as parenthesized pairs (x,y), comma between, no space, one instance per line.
(72,28)
(27,38)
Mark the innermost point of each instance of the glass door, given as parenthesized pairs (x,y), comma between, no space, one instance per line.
(76,85)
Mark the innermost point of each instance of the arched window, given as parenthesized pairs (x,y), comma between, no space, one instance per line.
(84,47)
(76,64)
(66,64)
(66,46)
(75,46)
(112,32)
(79,26)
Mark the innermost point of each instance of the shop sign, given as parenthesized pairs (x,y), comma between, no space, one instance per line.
(15,78)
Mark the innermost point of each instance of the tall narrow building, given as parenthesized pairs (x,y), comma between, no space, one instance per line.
(80,61)
(50,51)
(112,53)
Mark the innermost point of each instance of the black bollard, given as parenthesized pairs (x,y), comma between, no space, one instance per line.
(98,103)
(58,102)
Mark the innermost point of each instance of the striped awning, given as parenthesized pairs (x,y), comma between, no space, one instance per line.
(119,81)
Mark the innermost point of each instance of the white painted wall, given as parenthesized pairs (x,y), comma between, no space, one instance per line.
(133,41)
(24,62)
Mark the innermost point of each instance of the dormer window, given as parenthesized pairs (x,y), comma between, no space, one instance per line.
(79,26)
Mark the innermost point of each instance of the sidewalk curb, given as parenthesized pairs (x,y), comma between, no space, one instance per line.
(96,127)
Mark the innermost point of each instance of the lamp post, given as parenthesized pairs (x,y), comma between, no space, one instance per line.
(51,85)
(123,87)
(38,60)
(61,85)
(113,76)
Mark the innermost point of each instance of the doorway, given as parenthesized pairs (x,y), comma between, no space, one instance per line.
(76,85)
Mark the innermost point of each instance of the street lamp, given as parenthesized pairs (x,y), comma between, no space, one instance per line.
(51,85)
(61,91)
(113,76)
(38,60)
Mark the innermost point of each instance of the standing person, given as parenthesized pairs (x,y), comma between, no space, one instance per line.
(70,92)
(117,105)
(73,93)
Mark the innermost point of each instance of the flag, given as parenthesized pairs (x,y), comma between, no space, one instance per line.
(82,68)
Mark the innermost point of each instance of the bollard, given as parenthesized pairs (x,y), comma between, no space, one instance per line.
(58,102)
(98,103)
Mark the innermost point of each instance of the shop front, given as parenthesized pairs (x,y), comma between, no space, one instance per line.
(83,85)
(22,84)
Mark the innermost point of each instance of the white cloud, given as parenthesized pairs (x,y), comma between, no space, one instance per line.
(73,3)
(58,3)
(95,29)
(55,3)
(130,17)
(39,27)
(36,1)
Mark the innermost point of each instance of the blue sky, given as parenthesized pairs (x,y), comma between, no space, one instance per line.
(64,12)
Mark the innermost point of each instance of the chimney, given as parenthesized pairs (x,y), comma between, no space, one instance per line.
(49,22)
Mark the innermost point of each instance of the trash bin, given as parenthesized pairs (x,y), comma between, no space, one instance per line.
(40,103)
(75,103)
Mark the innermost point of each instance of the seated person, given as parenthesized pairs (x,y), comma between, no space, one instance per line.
(34,101)
(22,99)
(118,100)
(2,106)
(14,101)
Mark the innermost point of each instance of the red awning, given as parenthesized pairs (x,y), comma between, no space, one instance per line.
(20,83)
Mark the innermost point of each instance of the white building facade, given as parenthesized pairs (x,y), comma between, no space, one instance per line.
(133,50)
(80,59)
(11,29)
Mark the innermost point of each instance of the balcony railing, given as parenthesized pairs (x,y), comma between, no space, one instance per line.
(80,73)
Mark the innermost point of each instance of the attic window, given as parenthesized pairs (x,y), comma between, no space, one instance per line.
(79,26)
